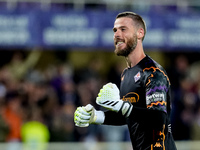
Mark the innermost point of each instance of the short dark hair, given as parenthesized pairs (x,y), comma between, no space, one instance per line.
(136,18)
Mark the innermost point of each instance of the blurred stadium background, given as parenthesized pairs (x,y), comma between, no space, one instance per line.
(55,55)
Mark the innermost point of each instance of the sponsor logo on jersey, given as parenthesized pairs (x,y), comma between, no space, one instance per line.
(155,97)
(160,138)
(157,144)
(137,77)
(132,97)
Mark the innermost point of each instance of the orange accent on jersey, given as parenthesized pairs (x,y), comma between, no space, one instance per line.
(162,102)
(149,79)
(163,133)
(151,146)
(132,97)
(158,144)
(122,78)
(154,69)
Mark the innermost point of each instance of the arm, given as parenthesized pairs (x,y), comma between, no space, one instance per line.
(114,118)
(156,86)
(157,95)
(148,116)
(86,115)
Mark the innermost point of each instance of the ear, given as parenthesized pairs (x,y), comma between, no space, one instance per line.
(140,33)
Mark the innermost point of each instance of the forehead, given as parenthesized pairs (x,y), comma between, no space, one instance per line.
(123,21)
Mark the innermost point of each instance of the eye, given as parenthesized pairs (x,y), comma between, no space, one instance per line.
(114,30)
(123,29)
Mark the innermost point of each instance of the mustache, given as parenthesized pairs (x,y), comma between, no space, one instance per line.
(118,40)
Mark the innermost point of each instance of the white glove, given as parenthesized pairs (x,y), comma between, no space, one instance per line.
(109,98)
(86,115)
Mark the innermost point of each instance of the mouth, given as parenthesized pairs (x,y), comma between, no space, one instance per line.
(119,43)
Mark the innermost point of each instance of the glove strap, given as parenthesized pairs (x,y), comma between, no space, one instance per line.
(126,108)
(99,117)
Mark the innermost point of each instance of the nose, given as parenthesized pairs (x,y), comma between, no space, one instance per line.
(116,34)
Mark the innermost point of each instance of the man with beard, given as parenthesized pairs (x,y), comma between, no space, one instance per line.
(143,102)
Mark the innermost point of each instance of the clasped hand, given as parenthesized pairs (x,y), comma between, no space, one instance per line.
(108,98)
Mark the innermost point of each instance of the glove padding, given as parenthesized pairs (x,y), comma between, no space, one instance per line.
(86,115)
(109,98)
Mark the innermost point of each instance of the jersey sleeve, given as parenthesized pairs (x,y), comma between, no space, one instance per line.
(114,118)
(157,88)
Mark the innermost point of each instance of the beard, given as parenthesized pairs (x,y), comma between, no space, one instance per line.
(130,46)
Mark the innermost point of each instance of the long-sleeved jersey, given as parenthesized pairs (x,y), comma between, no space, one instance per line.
(147,87)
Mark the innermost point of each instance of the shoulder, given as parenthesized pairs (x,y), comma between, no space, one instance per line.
(124,71)
(150,66)
(152,69)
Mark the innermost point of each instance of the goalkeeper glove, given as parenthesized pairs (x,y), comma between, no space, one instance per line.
(109,98)
(86,115)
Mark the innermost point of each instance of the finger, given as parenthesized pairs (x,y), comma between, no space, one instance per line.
(83,111)
(82,116)
(109,85)
(114,86)
(98,100)
(78,119)
(101,92)
(78,123)
(88,107)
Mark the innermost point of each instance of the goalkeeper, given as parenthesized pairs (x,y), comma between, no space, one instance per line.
(143,102)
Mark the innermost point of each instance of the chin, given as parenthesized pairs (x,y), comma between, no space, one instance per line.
(120,52)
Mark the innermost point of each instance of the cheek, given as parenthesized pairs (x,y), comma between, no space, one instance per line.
(132,35)
(127,37)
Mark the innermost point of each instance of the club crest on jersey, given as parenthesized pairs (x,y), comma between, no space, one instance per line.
(137,77)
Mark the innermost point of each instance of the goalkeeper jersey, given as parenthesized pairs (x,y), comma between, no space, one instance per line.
(147,87)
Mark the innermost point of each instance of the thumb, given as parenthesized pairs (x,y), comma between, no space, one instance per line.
(88,107)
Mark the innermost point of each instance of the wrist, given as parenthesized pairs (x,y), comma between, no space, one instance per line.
(126,108)
(100,117)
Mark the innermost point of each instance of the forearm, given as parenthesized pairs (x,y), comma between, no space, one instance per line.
(148,115)
(114,118)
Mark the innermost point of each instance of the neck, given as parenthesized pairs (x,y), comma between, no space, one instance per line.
(136,55)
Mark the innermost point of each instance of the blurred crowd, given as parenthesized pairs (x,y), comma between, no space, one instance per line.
(185,83)
(136,5)
(39,105)
(30,98)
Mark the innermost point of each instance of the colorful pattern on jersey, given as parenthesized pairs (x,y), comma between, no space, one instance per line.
(157,88)
(154,70)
